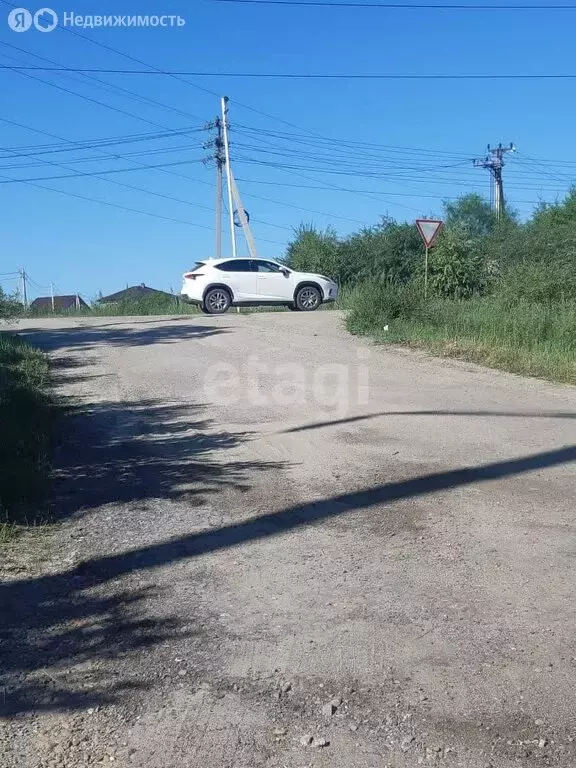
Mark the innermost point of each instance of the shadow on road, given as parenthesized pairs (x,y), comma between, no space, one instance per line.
(117,335)
(484,414)
(51,628)
(276,523)
(40,611)
(115,453)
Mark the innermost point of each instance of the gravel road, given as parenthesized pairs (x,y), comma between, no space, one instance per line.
(284,547)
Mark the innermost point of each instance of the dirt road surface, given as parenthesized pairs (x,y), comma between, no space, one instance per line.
(282,546)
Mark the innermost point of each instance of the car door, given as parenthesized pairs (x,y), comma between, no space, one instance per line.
(273,283)
(239,275)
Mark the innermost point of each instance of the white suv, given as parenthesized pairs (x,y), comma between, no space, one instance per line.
(217,284)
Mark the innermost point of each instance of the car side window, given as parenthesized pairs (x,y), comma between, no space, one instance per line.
(265,266)
(235,265)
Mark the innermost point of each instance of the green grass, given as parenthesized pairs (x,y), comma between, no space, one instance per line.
(147,306)
(529,338)
(153,307)
(27,416)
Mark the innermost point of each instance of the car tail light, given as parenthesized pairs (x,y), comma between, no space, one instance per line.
(192,275)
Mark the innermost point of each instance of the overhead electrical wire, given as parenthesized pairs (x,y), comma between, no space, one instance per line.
(348,143)
(100,174)
(122,207)
(278,226)
(400,165)
(407,6)
(177,76)
(96,174)
(401,180)
(65,146)
(111,86)
(363,191)
(24,70)
(124,156)
(108,155)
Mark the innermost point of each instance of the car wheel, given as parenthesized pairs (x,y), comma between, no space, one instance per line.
(308,298)
(216,301)
(292,307)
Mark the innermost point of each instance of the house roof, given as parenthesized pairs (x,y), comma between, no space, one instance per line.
(60,302)
(133,292)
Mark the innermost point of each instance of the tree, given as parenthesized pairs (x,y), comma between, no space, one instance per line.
(456,268)
(387,252)
(9,306)
(314,251)
(470,213)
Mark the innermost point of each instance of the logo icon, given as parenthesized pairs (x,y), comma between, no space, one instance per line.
(19,20)
(45,20)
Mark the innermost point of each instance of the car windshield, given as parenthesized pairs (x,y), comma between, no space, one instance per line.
(197,265)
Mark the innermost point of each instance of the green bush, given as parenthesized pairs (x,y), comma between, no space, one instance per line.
(456,267)
(539,282)
(313,251)
(500,292)
(375,304)
(9,306)
(26,416)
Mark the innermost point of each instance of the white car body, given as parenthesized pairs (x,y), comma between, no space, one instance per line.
(256,281)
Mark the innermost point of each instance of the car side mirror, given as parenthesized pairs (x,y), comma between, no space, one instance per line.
(285,272)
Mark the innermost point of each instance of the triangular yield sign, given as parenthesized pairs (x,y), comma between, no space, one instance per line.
(429,229)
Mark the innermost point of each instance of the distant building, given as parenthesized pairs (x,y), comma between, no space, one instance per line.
(134,293)
(61,303)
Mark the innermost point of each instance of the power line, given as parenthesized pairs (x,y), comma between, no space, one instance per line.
(364,191)
(114,205)
(96,174)
(186,82)
(284,75)
(72,146)
(175,76)
(110,86)
(349,161)
(124,156)
(404,6)
(100,174)
(140,166)
(23,71)
(114,156)
(348,142)
(36,285)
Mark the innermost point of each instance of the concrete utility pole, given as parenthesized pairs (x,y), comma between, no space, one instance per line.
(23,279)
(52,296)
(220,161)
(243,219)
(224,103)
(494,162)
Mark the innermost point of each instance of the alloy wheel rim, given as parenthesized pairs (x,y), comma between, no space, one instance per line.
(309,298)
(217,300)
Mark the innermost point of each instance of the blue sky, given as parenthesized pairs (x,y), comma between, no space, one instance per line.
(426,132)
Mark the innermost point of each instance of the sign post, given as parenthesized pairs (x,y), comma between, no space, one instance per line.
(429,229)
